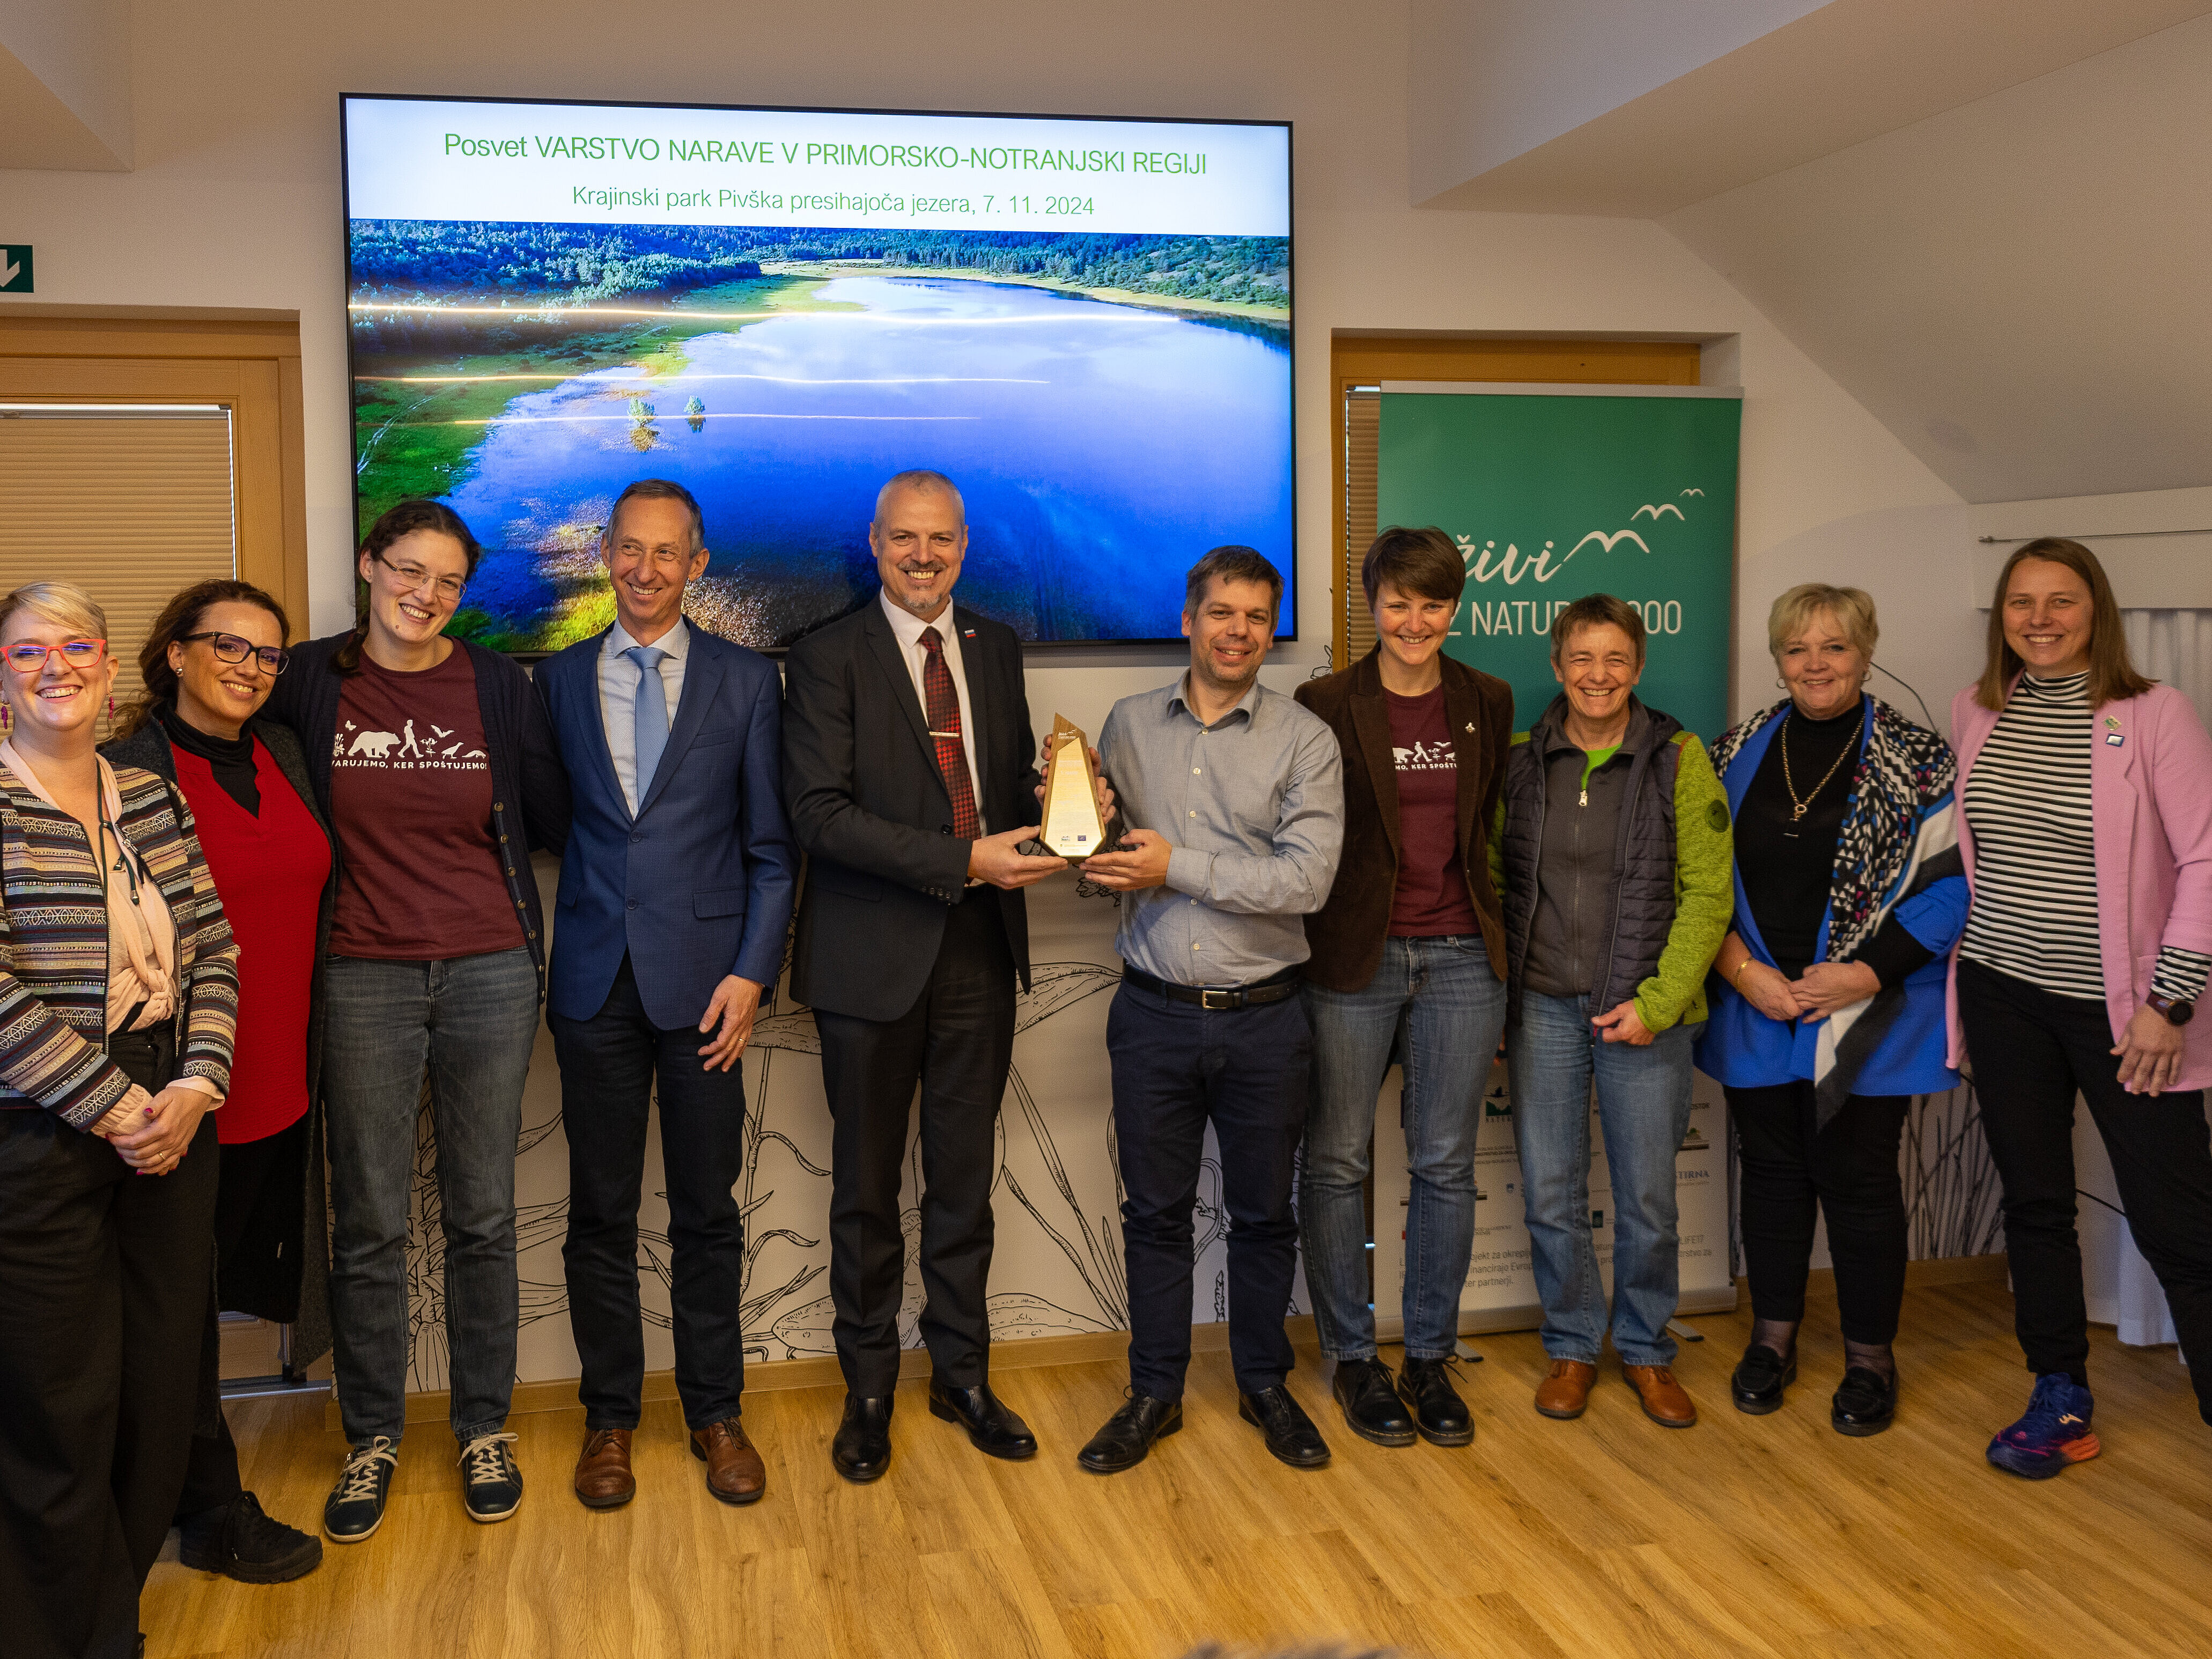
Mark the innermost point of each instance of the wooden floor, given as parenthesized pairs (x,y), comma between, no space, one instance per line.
(1610,1535)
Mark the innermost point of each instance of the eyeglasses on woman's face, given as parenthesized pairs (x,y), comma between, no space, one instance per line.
(411,578)
(229,647)
(27,658)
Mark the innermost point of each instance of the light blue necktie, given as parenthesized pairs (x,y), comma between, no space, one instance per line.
(650,714)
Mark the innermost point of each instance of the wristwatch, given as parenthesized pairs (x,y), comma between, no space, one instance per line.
(2172,1011)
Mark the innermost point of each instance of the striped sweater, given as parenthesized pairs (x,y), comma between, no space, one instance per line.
(53,950)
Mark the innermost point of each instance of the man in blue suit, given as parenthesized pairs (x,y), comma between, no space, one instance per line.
(676,895)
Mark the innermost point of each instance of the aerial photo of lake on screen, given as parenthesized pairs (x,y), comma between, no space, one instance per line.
(1111,406)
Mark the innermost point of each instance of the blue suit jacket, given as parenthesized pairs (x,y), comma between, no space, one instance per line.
(700,883)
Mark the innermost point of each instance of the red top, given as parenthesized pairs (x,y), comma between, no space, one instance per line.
(411,804)
(269,872)
(1431,895)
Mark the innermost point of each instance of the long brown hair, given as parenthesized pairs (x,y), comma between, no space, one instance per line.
(397,522)
(2112,677)
(180,617)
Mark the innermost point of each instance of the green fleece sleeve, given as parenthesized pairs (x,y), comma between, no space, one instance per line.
(1705,893)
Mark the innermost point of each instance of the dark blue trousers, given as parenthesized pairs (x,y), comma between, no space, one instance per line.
(1175,1069)
(610,1065)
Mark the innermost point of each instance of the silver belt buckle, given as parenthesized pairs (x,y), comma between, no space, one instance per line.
(1206,999)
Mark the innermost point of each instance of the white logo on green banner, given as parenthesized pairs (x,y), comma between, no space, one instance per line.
(1555,495)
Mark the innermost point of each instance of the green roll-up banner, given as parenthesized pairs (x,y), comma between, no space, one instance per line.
(1556,492)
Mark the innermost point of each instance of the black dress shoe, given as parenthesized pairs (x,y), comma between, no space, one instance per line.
(992,1429)
(1129,1433)
(1865,1404)
(1372,1409)
(1291,1433)
(1760,1376)
(1438,1412)
(862,1447)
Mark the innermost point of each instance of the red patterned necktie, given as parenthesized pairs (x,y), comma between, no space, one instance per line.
(943,709)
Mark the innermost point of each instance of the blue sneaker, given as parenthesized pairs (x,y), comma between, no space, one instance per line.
(2054,1433)
(491,1485)
(354,1508)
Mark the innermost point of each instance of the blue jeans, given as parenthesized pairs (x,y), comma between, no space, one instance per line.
(471,1022)
(1436,1005)
(1644,1105)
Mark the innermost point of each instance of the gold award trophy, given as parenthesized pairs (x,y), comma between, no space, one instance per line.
(1072,828)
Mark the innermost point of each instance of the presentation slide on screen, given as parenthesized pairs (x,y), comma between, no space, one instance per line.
(1085,323)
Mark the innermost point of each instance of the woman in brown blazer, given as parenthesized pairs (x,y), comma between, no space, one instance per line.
(1408,957)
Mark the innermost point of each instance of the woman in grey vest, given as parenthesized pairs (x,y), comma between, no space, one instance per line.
(1614,858)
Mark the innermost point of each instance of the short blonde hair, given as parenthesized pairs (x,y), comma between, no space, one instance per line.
(64,604)
(1851,607)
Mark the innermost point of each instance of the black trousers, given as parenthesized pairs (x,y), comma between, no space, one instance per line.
(253,1173)
(1847,1171)
(956,1042)
(612,1065)
(1176,1068)
(2031,1052)
(104,1275)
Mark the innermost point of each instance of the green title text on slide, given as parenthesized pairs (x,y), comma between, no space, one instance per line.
(994,158)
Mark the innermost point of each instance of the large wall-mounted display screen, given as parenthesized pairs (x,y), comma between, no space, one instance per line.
(1085,323)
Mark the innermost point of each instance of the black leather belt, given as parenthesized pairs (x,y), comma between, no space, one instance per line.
(1257,994)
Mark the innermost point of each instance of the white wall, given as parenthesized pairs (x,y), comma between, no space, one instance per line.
(235,203)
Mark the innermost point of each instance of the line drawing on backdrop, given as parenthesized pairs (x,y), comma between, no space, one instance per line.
(785,1307)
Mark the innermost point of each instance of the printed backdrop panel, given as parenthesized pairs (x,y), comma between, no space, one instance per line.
(1569,491)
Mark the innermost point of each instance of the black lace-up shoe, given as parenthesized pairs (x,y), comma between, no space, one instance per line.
(1372,1410)
(239,1541)
(1438,1412)
(354,1508)
(1291,1433)
(992,1429)
(1760,1376)
(1865,1404)
(1127,1437)
(491,1484)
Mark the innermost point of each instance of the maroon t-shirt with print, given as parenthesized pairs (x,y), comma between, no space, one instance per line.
(1432,896)
(410,801)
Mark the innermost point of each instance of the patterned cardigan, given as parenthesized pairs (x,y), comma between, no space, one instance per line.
(54,949)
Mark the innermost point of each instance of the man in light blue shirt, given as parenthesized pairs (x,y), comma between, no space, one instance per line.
(1238,796)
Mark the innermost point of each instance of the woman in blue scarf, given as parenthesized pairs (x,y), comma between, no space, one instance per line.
(1828,1004)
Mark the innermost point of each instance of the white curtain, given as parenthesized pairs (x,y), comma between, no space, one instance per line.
(2174,646)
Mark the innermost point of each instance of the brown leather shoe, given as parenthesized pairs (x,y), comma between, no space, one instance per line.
(1565,1388)
(1664,1402)
(602,1477)
(735,1472)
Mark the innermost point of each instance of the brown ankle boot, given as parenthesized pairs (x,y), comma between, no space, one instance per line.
(603,1476)
(1664,1402)
(1565,1388)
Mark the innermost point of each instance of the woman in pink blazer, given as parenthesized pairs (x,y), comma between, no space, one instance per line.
(2086,826)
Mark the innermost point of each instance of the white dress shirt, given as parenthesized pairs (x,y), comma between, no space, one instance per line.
(619,698)
(906,627)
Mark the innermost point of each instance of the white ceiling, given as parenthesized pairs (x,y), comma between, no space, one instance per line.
(2021,289)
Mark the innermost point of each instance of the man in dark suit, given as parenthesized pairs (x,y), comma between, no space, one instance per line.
(676,895)
(908,768)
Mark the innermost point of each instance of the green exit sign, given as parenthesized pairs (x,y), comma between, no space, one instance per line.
(14,269)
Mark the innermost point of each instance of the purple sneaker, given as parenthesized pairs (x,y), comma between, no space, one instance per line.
(2054,1433)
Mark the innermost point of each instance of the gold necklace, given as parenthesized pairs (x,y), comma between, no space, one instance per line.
(1798,808)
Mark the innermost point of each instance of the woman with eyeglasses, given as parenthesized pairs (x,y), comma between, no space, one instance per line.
(208,666)
(432,762)
(119,991)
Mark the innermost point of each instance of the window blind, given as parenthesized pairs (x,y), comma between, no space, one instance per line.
(130,503)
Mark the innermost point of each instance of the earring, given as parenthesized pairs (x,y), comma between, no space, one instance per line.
(1780,686)
(110,711)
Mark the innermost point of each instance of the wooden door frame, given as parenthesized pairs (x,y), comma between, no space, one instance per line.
(1367,357)
(251,368)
